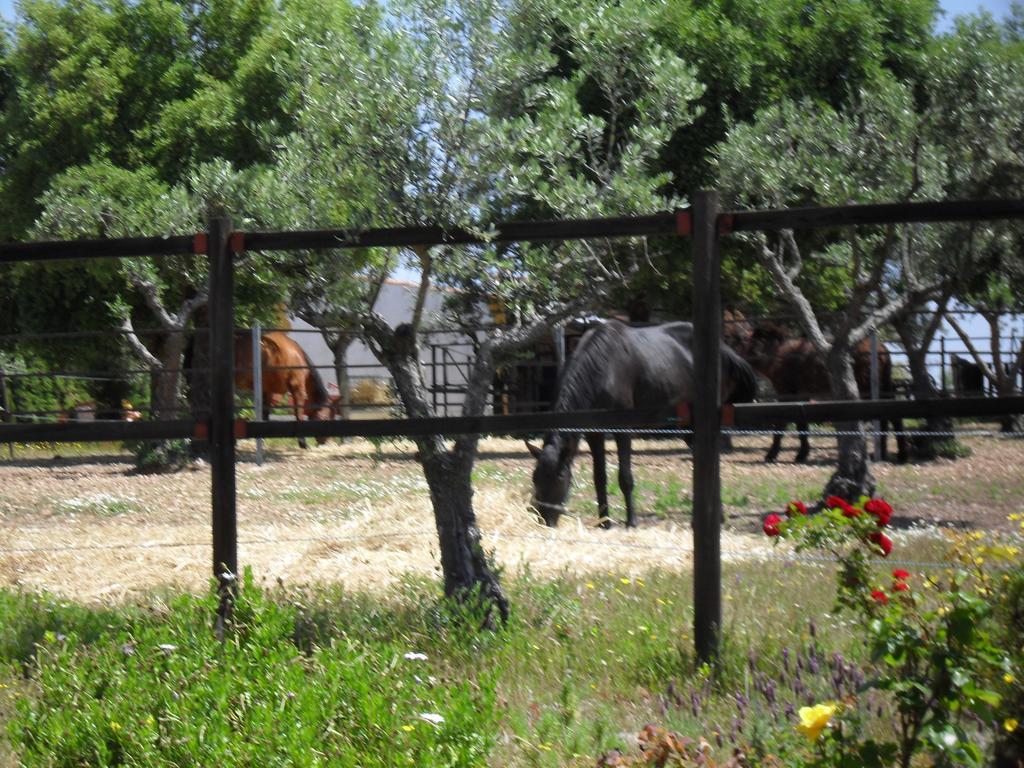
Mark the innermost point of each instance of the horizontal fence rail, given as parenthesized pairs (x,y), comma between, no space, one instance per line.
(678,223)
(526,231)
(100,431)
(743,415)
(119,248)
(885,213)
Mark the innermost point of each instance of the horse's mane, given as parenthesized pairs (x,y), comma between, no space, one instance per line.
(320,395)
(583,375)
(739,371)
(767,328)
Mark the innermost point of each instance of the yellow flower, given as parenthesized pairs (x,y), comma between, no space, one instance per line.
(1008,678)
(408,728)
(590,585)
(115,726)
(624,581)
(1010,724)
(814,719)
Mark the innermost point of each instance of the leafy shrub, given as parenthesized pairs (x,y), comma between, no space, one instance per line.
(167,693)
(29,394)
(933,641)
(152,456)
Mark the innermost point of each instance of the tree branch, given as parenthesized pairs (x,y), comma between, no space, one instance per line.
(426,265)
(796,298)
(966,339)
(940,312)
(189,307)
(137,346)
(883,315)
(151,296)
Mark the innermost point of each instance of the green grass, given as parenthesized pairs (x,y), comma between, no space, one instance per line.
(319,676)
(100,504)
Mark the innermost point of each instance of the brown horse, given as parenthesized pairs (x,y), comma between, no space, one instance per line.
(286,370)
(797,372)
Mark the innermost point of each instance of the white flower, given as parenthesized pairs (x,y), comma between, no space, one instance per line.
(413,656)
(431,717)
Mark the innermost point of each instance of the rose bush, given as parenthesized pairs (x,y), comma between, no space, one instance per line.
(939,658)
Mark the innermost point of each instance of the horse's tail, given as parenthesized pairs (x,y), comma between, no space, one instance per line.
(320,396)
(738,372)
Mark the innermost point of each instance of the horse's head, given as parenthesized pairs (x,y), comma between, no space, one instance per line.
(319,412)
(337,407)
(736,330)
(552,478)
(765,341)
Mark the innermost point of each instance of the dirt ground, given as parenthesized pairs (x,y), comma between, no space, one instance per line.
(89,527)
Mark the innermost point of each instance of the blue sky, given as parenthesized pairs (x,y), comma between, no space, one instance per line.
(952,7)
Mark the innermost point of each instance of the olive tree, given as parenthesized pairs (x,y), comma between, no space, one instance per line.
(976,91)
(422,126)
(801,153)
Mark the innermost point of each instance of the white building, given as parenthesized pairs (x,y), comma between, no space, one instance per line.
(445,355)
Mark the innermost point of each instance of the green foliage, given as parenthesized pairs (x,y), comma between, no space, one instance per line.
(83,90)
(28,394)
(165,691)
(153,456)
(933,640)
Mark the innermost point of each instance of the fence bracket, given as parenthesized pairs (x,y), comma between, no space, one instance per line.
(684,224)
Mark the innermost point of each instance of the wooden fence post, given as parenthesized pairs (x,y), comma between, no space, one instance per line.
(222,415)
(707,491)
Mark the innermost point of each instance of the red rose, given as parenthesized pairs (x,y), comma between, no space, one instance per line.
(834,502)
(900,575)
(900,586)
(879,596)
(883,541)
(881,510)
(771,524)
(796,508)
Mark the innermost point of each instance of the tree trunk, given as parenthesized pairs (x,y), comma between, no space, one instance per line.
(468,576)
(852,478)
(922,386)
(1011,422)
(198,374)
(340,350)
(165,386)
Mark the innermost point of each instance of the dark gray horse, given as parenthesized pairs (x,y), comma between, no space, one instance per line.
(616,366)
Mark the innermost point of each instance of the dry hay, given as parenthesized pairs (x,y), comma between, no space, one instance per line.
(95,531)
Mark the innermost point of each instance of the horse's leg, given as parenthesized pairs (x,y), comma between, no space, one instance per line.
(625,443)
(902,442)
(773,451)
(297,410)
(596,443)
(805,443)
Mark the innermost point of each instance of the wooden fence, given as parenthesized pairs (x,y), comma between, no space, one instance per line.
(703,222)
